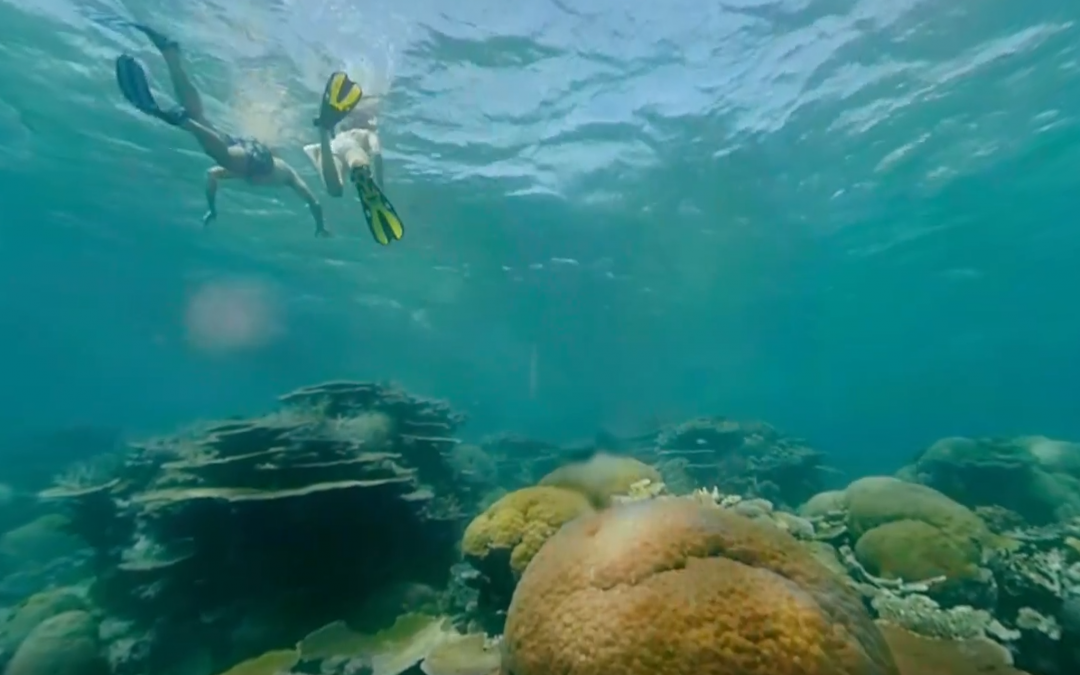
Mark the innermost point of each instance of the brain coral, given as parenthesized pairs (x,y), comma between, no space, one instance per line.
(677,587)
(521,522)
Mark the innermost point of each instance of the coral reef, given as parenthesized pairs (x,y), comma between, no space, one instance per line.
(748,458)
(520,461)
(295,517)
(350,531)
(936,568)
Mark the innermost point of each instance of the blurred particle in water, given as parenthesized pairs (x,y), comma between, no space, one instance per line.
(236,315)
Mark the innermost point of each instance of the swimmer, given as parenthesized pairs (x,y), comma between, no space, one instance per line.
(355,153)
(237,158)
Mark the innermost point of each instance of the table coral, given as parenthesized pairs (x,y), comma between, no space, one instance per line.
(301,515)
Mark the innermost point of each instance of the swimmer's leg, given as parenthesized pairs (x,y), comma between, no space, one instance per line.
(132,81)
(186,93)
(213,142)
(328,165)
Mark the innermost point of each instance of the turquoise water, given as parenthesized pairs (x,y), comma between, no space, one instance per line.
(855,220)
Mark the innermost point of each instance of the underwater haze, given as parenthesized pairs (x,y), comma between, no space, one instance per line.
(855,219)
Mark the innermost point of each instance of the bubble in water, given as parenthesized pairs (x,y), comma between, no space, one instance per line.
(232,316)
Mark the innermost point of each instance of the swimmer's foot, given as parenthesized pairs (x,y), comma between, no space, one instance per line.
(161,41)
(340,96)
(133,83)
(382,219)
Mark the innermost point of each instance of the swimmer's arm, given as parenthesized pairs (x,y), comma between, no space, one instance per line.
(213,177)
(294,181)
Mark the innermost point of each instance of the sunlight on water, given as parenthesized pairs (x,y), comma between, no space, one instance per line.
(263,109)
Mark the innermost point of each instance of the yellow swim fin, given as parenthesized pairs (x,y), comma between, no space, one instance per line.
(340,96)
(382,218)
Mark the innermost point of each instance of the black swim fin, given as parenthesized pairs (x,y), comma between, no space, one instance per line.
(382,218)
(340,96)
(131,78)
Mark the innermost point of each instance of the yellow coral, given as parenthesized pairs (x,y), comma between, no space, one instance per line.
(602,477)
(521,522)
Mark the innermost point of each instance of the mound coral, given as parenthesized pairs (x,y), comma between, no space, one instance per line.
(912,532)
(35,610)
(824,503)
(602,477)
(66,644)
(877,500)
(678,587)
(915,551)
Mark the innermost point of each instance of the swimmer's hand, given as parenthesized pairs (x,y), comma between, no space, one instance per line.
(322,232)
(209,217)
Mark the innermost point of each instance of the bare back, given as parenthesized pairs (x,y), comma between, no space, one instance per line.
(283,174)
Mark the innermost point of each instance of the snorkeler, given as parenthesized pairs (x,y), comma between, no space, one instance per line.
(356,152)
(243,158)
